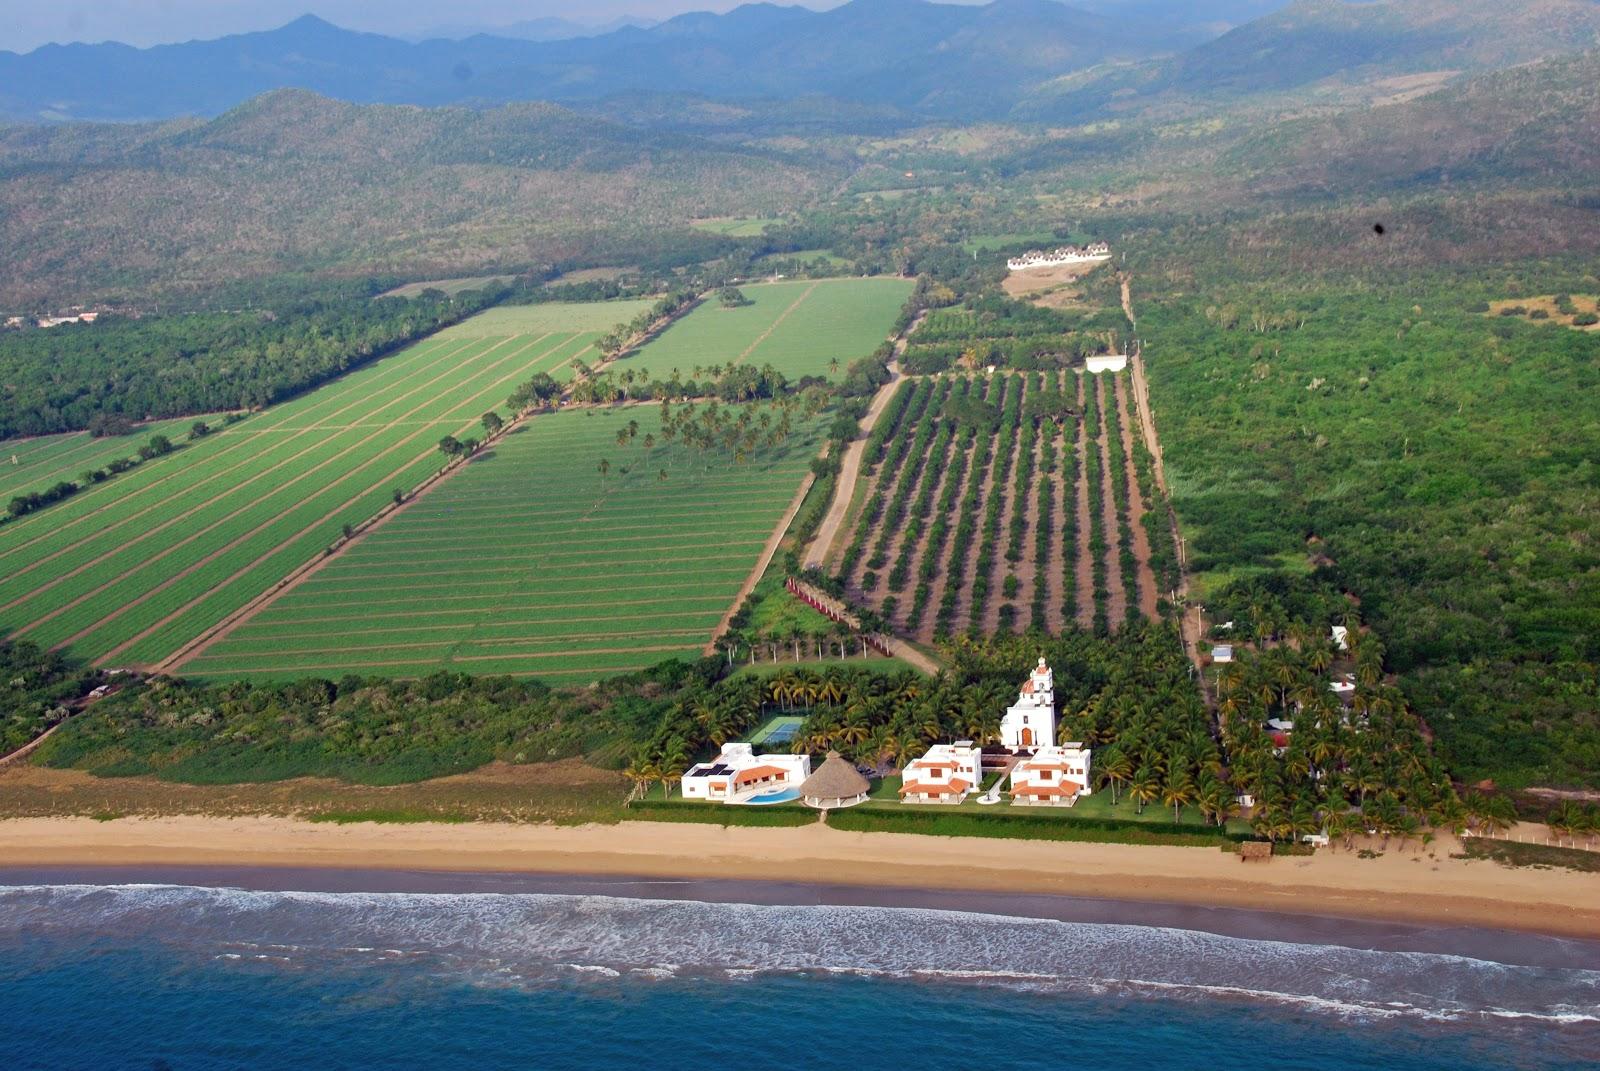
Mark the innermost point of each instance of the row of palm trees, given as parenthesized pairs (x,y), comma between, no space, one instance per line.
(1346,771)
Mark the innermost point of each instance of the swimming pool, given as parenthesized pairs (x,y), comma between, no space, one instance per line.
(782,795)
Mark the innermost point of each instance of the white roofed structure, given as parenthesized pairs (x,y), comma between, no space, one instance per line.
(1030,722)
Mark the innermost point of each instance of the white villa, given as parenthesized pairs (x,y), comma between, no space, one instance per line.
(1030,722)
(738,773)
(1055,258)
(1051,777)
(946,774)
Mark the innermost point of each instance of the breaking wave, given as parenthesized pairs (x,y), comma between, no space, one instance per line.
(538,939)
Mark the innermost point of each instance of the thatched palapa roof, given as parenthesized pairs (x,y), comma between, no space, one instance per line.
(835,779)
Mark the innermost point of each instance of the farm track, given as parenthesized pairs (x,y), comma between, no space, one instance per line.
(844,490)
(1117,596)
(1140,539)
(1085,556)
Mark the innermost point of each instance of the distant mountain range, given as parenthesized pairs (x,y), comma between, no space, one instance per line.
(930,59)
(548,28)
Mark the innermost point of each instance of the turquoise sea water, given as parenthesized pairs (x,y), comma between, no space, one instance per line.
(197,978)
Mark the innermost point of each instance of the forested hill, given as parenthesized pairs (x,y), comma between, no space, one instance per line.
(1537,124)
(293,182)
(1392,47)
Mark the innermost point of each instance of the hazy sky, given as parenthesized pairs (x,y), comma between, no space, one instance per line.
(26,24)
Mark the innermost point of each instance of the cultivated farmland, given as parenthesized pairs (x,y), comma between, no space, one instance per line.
(1001,503)
(800,328)
(533,561)
(128,571)
(50,459)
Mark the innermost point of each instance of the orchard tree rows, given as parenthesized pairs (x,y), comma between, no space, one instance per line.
(969,523)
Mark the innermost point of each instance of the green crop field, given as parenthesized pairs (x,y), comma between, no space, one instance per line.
(35,464)
(532,562)
(799,327)
(128,571)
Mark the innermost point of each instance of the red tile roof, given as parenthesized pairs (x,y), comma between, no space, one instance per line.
(756,773)
(1067,788)
(956,785)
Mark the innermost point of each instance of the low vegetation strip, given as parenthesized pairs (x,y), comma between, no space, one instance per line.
(800,328)
(130,570)
(934,821)
(566,552)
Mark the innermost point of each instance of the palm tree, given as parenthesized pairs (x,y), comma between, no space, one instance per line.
(1178,791)
(651,771)
(636,772)
(1115,767)
(1144,787)
(605,468)
(1217,802)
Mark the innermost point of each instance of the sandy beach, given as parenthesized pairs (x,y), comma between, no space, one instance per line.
(1420,886)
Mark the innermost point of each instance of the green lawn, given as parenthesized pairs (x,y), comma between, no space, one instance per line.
(129,571)
(530,562)
(798,326)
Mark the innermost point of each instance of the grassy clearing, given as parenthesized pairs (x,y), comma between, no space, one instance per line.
(981,243)
(800,327)
(735,226)
(128,571)
(507,320)
(448,286)
(532,562)
(1578,311)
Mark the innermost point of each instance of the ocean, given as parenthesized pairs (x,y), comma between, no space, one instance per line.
(188,977)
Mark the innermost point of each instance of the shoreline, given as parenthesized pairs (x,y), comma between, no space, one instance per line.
(1412,892)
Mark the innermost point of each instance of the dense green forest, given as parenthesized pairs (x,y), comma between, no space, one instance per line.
(1437,464)
(87,376)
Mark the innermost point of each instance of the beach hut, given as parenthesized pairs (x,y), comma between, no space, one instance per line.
(835,784)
